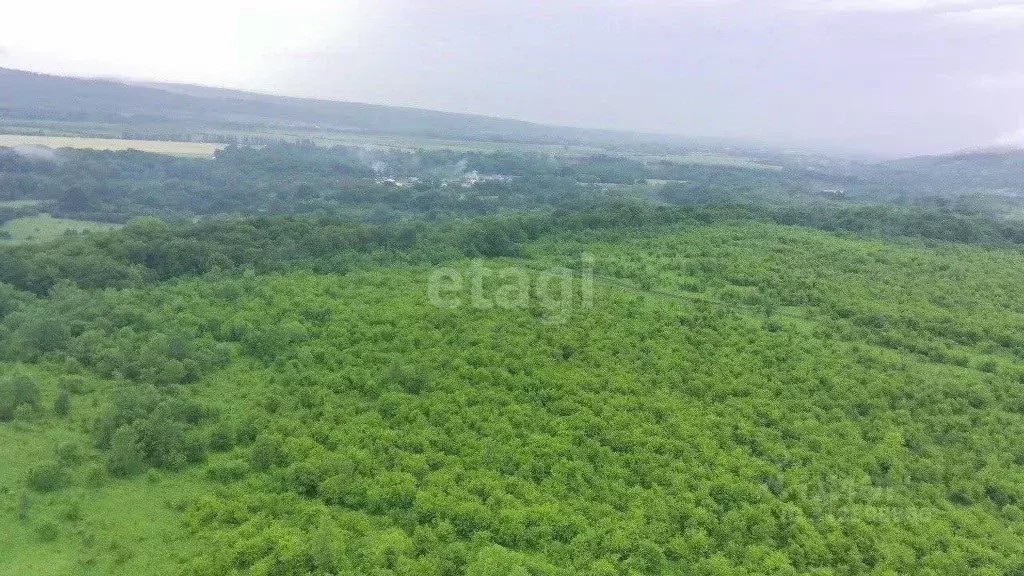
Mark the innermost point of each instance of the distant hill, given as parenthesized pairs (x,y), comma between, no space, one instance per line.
(992,169)
(27,95)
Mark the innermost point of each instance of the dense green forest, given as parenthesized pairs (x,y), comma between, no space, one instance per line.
(747,390)
(635,365)
(374,185)
(384,185)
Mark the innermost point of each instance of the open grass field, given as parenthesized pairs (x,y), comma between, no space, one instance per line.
(424,143)
(197,149)
(117,527)
(45,227)
(17,203)
(713,160)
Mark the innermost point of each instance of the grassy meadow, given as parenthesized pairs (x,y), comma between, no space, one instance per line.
(18,203)
(43,228)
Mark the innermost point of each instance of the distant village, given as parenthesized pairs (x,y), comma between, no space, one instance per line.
(466,180)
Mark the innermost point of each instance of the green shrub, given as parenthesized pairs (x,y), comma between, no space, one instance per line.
(45,476)
(72,512)
(24,413)
(266,453)
(68,453)
(411,380)
(303,478)
(16,392)
(26,391)
(222,437)
(95,476)
(497,561)
(7,402)
(194,450)
(24,504)
(47,531)
(226,472)
(163,439)
(126,457)
(62,403)
(73,384)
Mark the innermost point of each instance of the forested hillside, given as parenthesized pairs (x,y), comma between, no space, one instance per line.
(997,169)
(678,391)
(405,186)
(27,95)
(378,185)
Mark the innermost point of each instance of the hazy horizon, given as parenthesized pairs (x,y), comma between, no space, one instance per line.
(892,78)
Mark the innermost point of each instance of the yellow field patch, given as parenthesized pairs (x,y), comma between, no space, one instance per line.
(199,149)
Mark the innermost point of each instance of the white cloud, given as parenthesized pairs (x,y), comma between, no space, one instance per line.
(878,6)
(1015,138)
(193,40)
(1005,14)
(1011,80)
(1009,15)
(896,6)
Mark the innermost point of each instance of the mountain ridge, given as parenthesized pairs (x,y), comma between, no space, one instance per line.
(32,95)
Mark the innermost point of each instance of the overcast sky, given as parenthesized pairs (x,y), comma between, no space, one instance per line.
(891,77)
